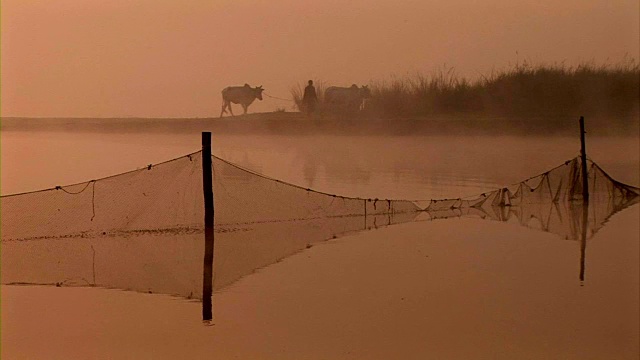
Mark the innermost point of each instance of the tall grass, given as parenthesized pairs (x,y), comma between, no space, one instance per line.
(523,89)
(297,91)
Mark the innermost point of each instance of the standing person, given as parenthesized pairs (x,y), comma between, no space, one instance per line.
(310,99)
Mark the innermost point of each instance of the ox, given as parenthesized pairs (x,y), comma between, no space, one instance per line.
(243,95)
(349,99)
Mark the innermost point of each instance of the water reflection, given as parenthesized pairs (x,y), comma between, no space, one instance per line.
(569,220)
(259,221)
(169,262)
(583,240)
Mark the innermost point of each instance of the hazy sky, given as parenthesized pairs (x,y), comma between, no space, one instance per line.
(161,58)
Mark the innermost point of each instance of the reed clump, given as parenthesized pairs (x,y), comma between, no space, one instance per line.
(524,89)
(297,92)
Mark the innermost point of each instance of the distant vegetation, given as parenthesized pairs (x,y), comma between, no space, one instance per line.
(523,90)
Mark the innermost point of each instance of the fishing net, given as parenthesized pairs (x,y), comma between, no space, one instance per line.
(137,231)
(265,220)
(143,230)
(551,201)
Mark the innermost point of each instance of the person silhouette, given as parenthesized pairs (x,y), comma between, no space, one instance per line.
(310,98)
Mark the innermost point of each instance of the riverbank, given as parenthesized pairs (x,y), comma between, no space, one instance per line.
(296,123)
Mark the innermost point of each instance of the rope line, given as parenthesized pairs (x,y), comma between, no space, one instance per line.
(275,97)
(77,192)
(466,198)
(147,167)
(287,183)
(93,204)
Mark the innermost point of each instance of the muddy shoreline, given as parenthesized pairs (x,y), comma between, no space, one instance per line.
(284,123)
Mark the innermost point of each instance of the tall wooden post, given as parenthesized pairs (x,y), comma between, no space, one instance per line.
(585,200)
(583,155)
(207,187)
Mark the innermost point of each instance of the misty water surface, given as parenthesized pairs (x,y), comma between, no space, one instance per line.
(455,287)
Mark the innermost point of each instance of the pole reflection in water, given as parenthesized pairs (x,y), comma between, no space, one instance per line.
(583,240)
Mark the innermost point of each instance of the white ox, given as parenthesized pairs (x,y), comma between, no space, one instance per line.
(243,95)
(349,99)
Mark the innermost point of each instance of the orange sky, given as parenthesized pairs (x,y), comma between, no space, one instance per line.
(160,58)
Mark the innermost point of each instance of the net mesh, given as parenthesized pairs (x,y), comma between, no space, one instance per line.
(136,231)
(551,201)
(143,230)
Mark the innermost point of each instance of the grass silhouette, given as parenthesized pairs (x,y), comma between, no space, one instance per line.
(524,89)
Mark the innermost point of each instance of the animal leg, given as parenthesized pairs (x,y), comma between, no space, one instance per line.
(230,109)
(245,108)
(224,105)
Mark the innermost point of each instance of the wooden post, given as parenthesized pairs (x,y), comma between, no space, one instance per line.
(583,155)
(365,214)
(207,187)
(585,200)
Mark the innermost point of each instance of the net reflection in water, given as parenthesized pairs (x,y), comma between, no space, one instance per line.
(143,230)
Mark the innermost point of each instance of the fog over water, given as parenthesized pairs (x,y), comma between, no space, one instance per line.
(399,167)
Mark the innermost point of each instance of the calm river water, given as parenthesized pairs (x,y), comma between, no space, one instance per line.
(457,288)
